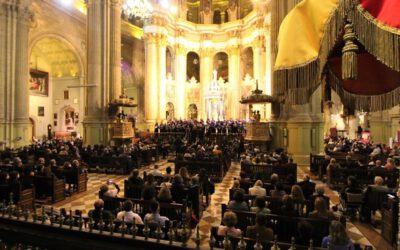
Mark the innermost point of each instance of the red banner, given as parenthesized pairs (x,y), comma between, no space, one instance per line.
(385,11)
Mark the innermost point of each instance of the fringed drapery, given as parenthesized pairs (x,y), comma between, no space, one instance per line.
(369,103)
(309,75)
(380,40)
(295,84)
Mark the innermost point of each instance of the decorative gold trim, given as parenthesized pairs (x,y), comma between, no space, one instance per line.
(296,84)
(369,103)
(379,39)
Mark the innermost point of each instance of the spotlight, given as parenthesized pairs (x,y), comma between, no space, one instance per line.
(66,2)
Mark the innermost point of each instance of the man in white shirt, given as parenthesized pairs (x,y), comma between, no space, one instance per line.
(156,172)
(258,189)
(154,216)
(128,215)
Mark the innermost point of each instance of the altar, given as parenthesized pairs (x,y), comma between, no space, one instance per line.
(215,99)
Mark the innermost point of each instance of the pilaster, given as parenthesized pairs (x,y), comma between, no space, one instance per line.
(234,82)
(206,70)
(15,17)
(180,76)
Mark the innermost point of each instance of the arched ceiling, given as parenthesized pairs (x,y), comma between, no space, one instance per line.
(54,56)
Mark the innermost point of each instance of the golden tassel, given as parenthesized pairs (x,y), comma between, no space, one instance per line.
(349,54)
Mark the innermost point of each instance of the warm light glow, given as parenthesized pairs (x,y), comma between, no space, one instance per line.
(137,8)
(66,2)
(174,10)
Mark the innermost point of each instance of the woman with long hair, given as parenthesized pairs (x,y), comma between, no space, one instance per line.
(337,238)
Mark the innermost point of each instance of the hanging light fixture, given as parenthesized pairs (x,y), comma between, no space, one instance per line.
(137,8)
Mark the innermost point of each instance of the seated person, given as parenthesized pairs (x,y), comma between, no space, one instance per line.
(229,220)
(389,164)
(178,189)
(128,215)
(338,238)
(378,185)
(307,186)
(288,208)
(351,187)
(156,172)
(297,194)
(260,230)
(319,192)
(166,182)
(278,192)
(154,217)
(164,195)
(106,191)
(235,186)
(260,206)
(238,203)
(168,171)
(134,179)
(257,189)
(99,212)
(321,211)
(332,166)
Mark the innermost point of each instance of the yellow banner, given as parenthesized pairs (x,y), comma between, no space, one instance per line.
(301,32)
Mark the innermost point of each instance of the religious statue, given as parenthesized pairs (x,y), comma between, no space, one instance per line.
(232,11)
(206,14)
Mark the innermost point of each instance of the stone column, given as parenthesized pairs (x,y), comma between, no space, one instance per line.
(259,61)
(115,49)
(103,69)
(162,75)
(150,87)
(234,82)
(206,69)
(180,78)
(15,18)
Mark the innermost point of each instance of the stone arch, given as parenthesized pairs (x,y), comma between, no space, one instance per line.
(65,41)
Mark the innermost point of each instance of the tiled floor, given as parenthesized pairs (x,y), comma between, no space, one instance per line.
(212,215)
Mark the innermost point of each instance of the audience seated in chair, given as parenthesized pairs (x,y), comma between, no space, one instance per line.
(337,238)
(257,189)
(128,215)
(321,211)
(238,203)
(307,186)
(99,212)
(260,230)
(260,206)
(229,221)
(154,217)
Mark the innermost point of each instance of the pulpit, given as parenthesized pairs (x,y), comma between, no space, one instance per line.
(258,131)
(123,130)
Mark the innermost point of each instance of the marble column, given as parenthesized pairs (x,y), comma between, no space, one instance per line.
(180,76)
(104,68)
(234,82)
(15,18)
(162,76)
(115,49)
(206,70)
(150,87)
(259,61)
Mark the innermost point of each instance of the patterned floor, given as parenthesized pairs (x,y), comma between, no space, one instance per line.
(211,216)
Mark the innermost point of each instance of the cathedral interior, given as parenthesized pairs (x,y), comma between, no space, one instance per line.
(309,79)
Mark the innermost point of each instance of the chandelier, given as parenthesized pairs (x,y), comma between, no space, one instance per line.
(137,8)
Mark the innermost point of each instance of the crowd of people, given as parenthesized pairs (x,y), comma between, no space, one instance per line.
(205,127)
(284,202)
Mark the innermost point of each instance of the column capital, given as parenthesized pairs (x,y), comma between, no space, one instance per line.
(158,38)
(206,52)
(156,20)
(259,42)
(180,49)
(233,50)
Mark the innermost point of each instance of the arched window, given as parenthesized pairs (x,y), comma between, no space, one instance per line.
(221,66)
(193,66)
